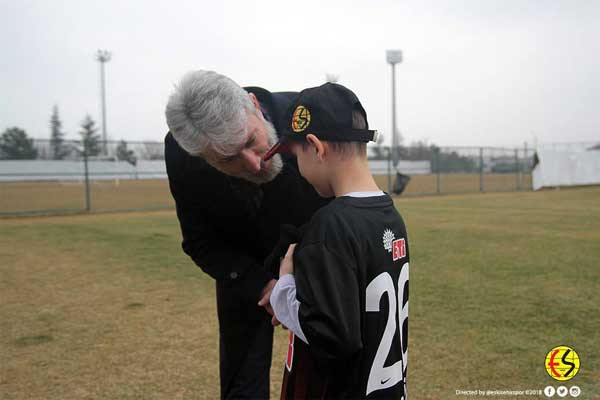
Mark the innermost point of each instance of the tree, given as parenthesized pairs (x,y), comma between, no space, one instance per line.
(441,160)
(59,151)
(124,154)
(89,136)
(15,145)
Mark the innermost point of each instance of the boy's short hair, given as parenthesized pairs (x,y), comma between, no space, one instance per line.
(332,113)
(348,150)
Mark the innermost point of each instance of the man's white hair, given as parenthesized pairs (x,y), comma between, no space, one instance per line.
(208,110)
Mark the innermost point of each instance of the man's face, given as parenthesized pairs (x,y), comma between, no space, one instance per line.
(247,162)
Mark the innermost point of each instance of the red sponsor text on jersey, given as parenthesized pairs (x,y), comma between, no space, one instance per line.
(398,249)
(290,353)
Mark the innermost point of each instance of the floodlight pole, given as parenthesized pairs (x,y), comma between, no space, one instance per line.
(393,57)
(103,56)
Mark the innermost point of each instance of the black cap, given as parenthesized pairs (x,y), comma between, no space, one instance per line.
(326,112)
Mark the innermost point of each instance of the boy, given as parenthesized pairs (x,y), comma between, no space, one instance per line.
(343,289)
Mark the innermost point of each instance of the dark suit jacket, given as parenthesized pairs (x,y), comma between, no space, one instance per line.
(229,226)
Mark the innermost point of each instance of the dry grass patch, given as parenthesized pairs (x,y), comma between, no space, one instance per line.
(106,306)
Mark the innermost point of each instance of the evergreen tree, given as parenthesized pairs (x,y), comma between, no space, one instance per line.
(15,145)
(59,151)
(89,136)
(124,154)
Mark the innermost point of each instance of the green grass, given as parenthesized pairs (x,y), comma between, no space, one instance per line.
(496,282)
(106,306)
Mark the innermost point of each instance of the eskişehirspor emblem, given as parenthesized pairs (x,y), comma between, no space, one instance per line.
(300,119)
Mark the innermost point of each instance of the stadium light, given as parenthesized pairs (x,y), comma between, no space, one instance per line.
(394,57)
(103,56)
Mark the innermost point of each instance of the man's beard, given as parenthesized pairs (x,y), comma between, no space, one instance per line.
(276,163)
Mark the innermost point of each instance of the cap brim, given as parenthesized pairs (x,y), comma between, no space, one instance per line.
(279,148)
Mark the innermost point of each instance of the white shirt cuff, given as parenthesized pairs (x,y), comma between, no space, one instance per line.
(286,306)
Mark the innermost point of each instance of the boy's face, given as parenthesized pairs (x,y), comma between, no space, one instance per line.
(313,167)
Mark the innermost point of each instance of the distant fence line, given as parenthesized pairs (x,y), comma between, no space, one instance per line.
(132,175)
(49,170)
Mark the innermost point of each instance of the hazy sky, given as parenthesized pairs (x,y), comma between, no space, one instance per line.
(479,72)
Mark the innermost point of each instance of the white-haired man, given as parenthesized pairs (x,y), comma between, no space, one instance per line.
(230,205)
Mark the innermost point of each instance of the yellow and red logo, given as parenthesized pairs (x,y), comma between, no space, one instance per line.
(562,363)
(300,119)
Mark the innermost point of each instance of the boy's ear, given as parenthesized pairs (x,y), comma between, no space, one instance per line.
(319,147)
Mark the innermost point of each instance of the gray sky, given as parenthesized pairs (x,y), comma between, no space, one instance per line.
(475,72)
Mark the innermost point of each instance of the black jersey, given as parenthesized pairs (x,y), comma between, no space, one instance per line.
(351,270)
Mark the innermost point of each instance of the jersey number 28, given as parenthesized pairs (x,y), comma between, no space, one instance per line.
(382,377)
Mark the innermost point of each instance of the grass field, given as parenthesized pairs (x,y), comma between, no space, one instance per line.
(16,197)
(70,195)
(106,306)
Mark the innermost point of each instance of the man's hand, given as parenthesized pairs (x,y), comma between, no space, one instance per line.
(287,263)
(265,296)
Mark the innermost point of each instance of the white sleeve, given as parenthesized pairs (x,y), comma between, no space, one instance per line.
(285,305)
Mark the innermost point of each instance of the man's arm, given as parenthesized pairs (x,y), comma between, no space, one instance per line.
(214,256)
(201,241)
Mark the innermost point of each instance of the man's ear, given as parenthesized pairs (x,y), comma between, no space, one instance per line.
(254,100)
(319,146)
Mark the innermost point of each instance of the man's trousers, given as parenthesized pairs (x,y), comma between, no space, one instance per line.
(245,347)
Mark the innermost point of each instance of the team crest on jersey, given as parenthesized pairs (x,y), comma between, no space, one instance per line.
(395,246)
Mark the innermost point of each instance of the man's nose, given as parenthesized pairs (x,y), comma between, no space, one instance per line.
(252,160)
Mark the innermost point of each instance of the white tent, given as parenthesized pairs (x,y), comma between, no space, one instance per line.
(565,168)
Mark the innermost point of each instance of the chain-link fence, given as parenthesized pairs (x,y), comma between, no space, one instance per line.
(72,177)
(435,170)
(119,175)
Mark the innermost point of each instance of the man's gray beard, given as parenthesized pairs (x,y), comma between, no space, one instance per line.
(276,162)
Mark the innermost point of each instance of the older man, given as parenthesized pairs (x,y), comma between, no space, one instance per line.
(230,205)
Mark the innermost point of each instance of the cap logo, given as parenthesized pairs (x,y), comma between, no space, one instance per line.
(300,119)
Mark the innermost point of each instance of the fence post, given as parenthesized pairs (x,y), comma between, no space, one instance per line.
(436,161)
(518,169)
(87,178)
(481,188)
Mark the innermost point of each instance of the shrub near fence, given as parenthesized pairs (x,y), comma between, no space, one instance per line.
(132,175)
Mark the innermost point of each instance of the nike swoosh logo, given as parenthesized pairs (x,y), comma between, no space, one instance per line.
(384,381)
